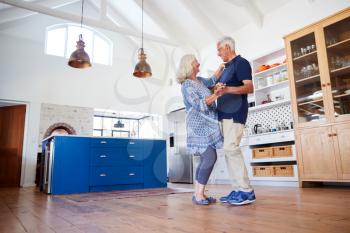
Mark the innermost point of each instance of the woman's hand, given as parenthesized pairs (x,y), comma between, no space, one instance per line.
(219,70)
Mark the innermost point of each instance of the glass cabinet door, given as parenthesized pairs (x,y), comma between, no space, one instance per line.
(337,38)
(309,95)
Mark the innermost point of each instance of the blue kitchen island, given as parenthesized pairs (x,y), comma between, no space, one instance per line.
(77,164)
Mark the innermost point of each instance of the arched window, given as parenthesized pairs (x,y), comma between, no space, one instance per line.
(61,41)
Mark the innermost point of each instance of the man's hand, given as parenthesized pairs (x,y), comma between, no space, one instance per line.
(219,89)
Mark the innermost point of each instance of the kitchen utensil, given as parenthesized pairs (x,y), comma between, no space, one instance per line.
(256,128)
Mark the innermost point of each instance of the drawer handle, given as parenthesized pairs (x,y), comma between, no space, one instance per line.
(103,142)
(131,143)
(282,148)
(131,174)
(282,136)
(258,139)
(131,156)
(103,156)
(103,174)
(261,150)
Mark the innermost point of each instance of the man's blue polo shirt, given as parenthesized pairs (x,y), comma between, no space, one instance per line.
(234,106)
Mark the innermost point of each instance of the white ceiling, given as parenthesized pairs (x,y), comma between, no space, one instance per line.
(192,23)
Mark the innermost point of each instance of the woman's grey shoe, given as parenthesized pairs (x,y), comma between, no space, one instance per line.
(200,202)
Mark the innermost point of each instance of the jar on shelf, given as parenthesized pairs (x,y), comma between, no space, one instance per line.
(276,77)
(283,75)
(261,82)
(269,80)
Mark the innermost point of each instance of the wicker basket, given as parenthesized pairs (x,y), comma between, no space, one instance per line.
(282,151)
(286,170)
(264,152)
(262,171)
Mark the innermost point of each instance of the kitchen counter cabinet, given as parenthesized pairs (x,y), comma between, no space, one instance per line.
(76,164)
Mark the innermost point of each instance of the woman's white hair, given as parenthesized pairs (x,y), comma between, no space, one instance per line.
(185,68)
(227,40)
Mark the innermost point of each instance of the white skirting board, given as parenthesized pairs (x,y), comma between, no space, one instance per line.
(260,183)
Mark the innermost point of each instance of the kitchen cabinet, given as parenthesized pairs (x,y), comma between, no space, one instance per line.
(87,164)
(318,58)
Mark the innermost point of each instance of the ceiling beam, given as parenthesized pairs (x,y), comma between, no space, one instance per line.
(14,13)
(103,9)
(162,20)
(87,21)
(202,18)
(111,14)
(252,10)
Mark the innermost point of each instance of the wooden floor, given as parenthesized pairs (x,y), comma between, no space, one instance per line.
(277,209)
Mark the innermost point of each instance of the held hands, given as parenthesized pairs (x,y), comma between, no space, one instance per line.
(219,89)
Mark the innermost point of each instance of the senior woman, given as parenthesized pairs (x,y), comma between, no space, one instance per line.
(203,132)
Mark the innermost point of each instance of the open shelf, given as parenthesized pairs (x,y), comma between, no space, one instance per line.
(261,73)
(276,85)
(280,159)
(269,105)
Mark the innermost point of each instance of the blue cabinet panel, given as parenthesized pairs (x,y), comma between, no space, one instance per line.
(116,156)
(155,168)
(115,175)
(89,164)
(70,171)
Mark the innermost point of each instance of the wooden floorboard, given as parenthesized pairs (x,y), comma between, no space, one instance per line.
(277,210)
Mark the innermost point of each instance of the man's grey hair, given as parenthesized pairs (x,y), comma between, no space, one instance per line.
(185,68)
(227,40)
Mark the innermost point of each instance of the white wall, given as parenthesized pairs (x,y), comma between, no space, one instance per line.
(79,118)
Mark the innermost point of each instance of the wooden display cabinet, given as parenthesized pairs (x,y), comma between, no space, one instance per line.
(318,58)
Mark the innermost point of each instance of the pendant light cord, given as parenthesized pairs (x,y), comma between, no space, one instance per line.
(82,13)
(142,27)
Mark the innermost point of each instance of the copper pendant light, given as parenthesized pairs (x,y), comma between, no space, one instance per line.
(142,68)
(79,58)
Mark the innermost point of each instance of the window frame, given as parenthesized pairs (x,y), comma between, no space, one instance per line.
(94,33)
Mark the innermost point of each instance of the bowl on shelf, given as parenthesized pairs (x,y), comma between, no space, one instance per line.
(262,68)
(275,64)
(347,91)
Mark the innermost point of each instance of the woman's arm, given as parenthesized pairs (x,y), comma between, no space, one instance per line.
(197,102)
(210,82)
(219,70)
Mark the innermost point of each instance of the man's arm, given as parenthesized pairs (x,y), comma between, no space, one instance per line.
(245,89)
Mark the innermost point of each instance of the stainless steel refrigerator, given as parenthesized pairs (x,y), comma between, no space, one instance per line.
(180,162)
